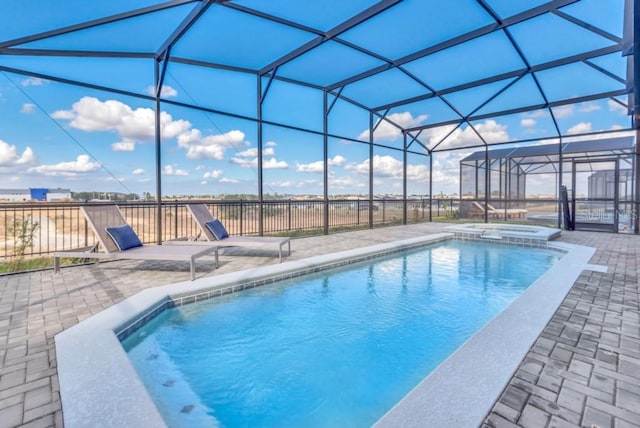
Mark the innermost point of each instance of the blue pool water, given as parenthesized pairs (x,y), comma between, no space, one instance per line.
(336,348)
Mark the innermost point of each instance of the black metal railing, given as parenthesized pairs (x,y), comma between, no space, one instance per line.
(60,226)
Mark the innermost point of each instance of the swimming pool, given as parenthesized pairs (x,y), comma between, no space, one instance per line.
(335,348)
(99,384)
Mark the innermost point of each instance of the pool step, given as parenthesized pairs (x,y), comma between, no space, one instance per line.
(491,234)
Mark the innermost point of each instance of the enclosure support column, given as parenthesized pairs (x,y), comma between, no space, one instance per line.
(636,110)
(431,186)
(158,141)
(502,180)
(260,184)
(486,183)
(636,208)
(559,182)
(371,170)
(325,140)
(404,180)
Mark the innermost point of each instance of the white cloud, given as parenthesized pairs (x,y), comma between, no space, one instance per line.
(286,183)
(9,155)
(346,182)
(390,167)
(318,166)
(315,167)
(28,108)
(123,146)
(597,136)
(588,107)
(270,144)
(92,115)
(563,111)
(271,163)
(253,152)
(306,183)
(417,172)
(216,173)
(245,163)
(491,131)
(229,180)
(617,107)
(292,184)
(166,92)
(169,170)
(580,128)
(33,81)
(138,125)
(536,114)
(528,122)
(81,165)
(138,171)
(63,114)
(616,127)
(274,164)
(212,146)
(387,131)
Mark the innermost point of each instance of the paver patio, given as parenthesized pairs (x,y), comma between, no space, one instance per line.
(584,369)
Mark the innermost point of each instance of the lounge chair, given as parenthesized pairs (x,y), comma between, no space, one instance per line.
(479,211)
(206,222)
(119,241)
(509,212)
(495,212)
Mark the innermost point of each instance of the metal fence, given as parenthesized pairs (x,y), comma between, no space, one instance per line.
(42,228)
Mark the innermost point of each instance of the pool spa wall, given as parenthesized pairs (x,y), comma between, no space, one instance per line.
(100,387)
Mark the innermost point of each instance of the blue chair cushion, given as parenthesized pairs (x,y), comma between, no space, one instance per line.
(217,229)
(124,237)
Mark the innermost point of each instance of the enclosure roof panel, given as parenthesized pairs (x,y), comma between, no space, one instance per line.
(322,15)
(19,16)
(415,24)
(474,62)
(142,33)
(626,144)
(235,38)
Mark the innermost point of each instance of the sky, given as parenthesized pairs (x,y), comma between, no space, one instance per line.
(54,134)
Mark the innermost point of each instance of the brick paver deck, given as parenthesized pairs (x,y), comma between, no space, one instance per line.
(584,369)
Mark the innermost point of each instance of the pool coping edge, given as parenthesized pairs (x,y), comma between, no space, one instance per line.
(462,389)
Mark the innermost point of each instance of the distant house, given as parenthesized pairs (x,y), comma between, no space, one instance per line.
(34,194)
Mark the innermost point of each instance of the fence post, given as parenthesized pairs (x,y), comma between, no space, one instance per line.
(289,214)
(175,219)
(241,215)
(86,233)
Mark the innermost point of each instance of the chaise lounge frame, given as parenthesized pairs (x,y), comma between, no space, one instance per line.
(103,216)
(201,215)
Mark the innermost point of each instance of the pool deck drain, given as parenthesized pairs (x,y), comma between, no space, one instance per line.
(583,370)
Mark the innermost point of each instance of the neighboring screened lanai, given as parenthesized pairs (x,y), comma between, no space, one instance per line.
(321,98)
(598,173)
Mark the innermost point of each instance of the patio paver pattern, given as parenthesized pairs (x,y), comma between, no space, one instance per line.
(584,369)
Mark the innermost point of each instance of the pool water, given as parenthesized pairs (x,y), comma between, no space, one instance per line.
(336,348)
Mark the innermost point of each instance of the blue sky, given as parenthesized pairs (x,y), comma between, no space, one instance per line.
(58,135)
